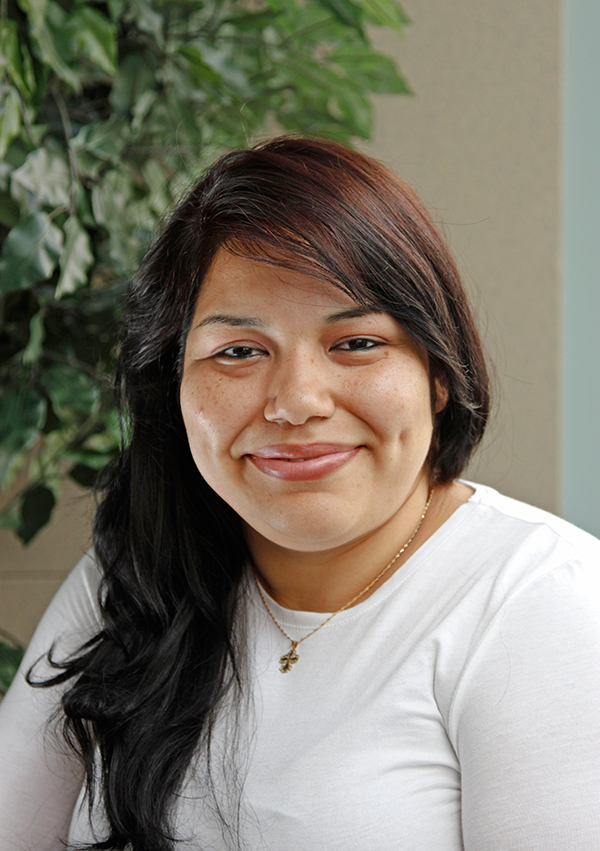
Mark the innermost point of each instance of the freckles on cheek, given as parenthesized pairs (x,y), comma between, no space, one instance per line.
(208,412)
(193,409)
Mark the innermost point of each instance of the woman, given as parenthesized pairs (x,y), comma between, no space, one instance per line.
(310,634)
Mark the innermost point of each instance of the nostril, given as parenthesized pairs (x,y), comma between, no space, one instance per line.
(297,408)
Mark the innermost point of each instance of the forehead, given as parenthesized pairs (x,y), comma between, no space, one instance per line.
(232,280)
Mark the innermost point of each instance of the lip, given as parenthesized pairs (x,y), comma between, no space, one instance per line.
(302,462)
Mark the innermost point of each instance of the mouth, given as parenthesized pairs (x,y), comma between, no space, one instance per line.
(302,462)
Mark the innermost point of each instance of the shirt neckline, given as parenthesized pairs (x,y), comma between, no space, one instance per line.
(295,619)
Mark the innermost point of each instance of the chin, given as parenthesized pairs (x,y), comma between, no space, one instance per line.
(314,544)
(309,532)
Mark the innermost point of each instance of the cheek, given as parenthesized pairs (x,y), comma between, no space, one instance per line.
(204,409)
(214,412)
(396,402)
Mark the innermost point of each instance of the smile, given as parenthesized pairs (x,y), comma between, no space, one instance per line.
(295,463)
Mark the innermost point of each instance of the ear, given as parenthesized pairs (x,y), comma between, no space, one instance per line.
(440,395)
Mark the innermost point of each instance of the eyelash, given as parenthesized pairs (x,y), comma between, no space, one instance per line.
(352,347)
(250,351)
(355,344)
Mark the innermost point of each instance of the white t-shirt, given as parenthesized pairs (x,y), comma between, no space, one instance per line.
(458,707)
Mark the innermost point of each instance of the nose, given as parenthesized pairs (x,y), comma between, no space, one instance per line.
(300,389)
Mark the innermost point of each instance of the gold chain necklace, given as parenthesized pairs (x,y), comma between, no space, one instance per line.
(291,657)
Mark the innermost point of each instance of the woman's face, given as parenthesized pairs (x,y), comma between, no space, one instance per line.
(310,416)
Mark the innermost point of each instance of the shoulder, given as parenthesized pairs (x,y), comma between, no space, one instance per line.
(71,619)
(534,600)
(506,509)
(499,561)
(520,542)
(78,595)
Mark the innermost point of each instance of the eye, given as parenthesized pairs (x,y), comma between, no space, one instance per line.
(358,344)
(239,353)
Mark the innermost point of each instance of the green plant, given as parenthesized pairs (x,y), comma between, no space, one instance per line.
(108,110)
(11,654)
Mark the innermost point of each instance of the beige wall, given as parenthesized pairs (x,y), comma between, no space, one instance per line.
(479,141)
(29,576)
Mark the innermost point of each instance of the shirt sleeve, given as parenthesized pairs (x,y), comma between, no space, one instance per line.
(526,720)
(40,778)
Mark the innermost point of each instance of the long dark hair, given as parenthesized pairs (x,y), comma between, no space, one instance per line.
(146,689)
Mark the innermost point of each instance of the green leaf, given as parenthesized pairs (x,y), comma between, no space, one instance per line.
(369,70)
(199,68)
(10,516)
(285,7)
(15,60)
(156,180)
(108,441)
(357,111)
(91,460)
(347,12)
(100,142)
(111,203)
(45,177)
(70,389)
(10,659)
(135,80)
(30,253)
(141,108)
(22,415)
(75,259)
(149,20)
(10,120)
(51,56)
(220,64)
(35,10)
(135,76)
(11,59)
(115,7)
(385,13)
(37,334)
(244,21)
(95,36)
(95,454)
(9,210)
(36,510)
(83,475)
(52,38)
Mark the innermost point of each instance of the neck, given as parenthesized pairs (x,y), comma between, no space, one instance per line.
(326,580)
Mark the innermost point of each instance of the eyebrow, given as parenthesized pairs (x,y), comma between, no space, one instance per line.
(253,322)
(230,319)
(352,313)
